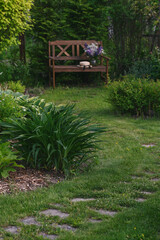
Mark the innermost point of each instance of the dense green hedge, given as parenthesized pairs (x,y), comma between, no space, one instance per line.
(140,97)
(121,26)
(61,20)
(148,67)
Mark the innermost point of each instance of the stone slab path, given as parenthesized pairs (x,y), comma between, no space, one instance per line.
(140,200)
(30,221)
(64,226)
(12,229)
(148,145)
(46,236)
(147,193)
(82,199)
(94,220)
(104,212)
(155,179)
(54,212)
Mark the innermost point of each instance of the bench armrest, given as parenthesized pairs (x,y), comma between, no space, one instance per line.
(105,57)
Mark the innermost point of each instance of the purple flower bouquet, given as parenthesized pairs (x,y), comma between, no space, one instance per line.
(93,50)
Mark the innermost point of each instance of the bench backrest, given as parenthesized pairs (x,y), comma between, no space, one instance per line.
(69,49)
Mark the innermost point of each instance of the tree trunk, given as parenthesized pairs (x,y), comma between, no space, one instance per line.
(22,48)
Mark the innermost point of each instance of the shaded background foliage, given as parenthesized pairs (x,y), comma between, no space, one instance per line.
(128,29)
(67,20)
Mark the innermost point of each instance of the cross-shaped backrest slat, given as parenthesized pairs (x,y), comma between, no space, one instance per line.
(74,53)
(63,50)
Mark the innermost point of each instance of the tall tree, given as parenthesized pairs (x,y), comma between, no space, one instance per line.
(14,20)
(129,21)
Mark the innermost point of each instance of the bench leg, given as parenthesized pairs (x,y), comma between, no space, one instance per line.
(107,73)
(106,78)
(49,78)
(54,77)
(103,77)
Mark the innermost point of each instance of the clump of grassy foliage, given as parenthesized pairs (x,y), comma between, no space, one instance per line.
(139,97)
(52,137)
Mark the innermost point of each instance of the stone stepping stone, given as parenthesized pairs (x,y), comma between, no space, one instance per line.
(149,173)
(58,205)
(94,220)
(82,199)
(12,229)
(52,237)
(105,212)
(155,179)
(158,163)
(54,212)
(148,145)
(136,177)
(140,200)
(64,226)
(30,221)
(125,182)
(146,193)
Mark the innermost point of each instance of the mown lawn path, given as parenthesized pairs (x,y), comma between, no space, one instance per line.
(119,199)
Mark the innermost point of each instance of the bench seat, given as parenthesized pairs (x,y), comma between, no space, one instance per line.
(75,68)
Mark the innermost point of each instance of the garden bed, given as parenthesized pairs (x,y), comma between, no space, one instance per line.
(28,179)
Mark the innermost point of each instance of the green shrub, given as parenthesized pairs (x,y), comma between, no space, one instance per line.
(148,67)
(14,71)
(53,137)
(8,160)
(135,96)
(8,106)
(16,86)
(15,104)
(13,86)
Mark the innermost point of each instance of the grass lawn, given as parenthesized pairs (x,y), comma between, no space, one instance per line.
(125,181)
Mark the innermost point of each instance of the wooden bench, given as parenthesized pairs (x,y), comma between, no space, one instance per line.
(72,50)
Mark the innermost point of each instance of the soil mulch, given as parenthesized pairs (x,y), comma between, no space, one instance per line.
(28,179)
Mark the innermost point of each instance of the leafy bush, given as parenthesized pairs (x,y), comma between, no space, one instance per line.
(15,104)
(148,67)
(8,106)
(14,71)
(8,160)
(135,96)
(14,86)
(53,137)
